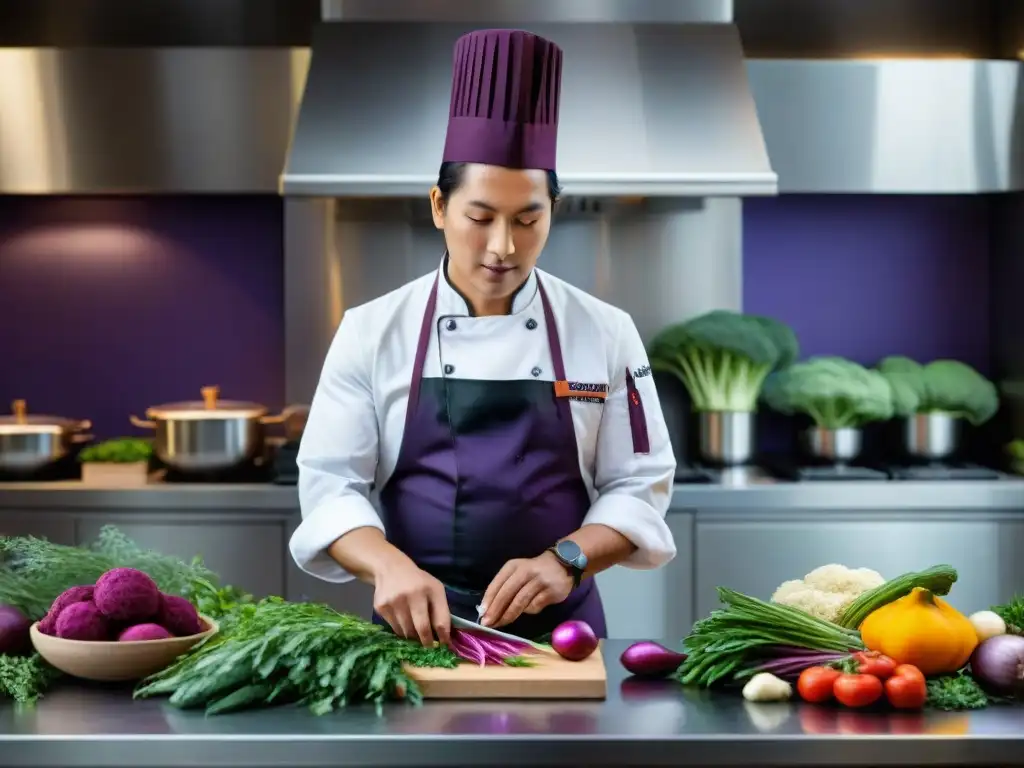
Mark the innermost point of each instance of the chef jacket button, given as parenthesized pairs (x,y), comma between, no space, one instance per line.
(531,324)
(449,369)
(451,325)
(519,458)
(535,372)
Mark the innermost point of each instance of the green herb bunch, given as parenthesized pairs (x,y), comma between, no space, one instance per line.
(34,571)
(276,652)
(738,638)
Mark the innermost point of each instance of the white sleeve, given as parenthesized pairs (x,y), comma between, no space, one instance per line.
(337,458)
(635,466)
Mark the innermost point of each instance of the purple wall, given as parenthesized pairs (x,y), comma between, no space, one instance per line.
(110,305)
(866,276)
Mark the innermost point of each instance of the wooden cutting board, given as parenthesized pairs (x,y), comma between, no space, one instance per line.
(551,677)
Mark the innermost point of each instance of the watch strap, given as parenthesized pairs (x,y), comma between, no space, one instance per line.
(573,568)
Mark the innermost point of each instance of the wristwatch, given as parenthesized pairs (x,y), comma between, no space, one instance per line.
(571,556)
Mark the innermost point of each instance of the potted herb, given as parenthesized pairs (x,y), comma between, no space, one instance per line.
(121,462)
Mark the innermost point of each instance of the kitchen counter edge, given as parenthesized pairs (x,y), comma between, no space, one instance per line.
(996,495)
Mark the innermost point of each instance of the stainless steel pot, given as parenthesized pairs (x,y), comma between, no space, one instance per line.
(727,437)
(931,436)
(209,435)
(839,446)
(29,442)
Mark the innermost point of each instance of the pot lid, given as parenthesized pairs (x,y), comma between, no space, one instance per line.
(21,422)
(210,407)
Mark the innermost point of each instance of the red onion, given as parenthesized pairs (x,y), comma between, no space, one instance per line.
(998,665)
(14,627)
(485,649)
(574,640)
(650,659)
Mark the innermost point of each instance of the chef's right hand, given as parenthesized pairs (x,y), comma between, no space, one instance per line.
(413,602)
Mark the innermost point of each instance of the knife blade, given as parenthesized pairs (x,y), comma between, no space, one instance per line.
(461,623)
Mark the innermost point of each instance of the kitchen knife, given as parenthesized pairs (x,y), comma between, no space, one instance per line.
(472,626)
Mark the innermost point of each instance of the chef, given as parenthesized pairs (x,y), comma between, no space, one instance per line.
(506,421)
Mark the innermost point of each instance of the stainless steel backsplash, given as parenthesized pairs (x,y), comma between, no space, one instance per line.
(661,261)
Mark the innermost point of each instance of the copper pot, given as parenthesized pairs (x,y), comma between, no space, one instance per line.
(209,435)
(29,442)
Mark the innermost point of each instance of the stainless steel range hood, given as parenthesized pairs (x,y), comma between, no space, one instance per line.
(654,110)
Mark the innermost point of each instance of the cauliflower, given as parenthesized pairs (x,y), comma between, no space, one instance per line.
(826,591)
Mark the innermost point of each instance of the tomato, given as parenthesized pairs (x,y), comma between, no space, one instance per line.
(876,664)
(908,670)
(815,684)
(906,691)
(857,690)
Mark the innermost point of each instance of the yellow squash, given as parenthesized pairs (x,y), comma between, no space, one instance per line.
(922,630)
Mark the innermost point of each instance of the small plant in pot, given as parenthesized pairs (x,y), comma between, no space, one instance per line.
(838,395)
(723,358)
(935,399)
(121,462)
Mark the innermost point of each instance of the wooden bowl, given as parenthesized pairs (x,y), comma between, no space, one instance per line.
(111,660)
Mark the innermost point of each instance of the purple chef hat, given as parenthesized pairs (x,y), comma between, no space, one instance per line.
(504,108)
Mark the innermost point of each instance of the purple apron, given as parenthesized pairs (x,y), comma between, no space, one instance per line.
(488,472)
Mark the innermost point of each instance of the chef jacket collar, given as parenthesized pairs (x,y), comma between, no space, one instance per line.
(452,302)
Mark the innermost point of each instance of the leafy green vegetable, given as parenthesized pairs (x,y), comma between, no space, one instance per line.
(126,450)
(279,652)
(25,678)
(1013,614)
(941,386)
(723,357)
(742,635)
(34,571)
(835,392)
(956,692)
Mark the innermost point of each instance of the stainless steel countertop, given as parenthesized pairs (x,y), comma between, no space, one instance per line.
(952,496)
(640,723)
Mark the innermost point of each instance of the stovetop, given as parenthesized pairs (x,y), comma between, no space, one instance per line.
(278,468)
(784,471)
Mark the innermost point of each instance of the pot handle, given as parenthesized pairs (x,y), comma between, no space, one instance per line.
(83,426)
(142,423)
(82,437)
(283,416)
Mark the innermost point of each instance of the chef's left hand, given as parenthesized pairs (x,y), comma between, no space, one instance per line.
(527,585)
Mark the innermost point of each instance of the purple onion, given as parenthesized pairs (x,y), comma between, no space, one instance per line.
(650,659)
(574,640)
(14,631)
(998,665)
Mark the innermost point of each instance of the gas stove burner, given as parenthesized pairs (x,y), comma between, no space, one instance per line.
(938,471)
(838,473)
(694,476)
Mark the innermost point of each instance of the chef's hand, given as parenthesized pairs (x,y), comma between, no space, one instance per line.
(525,586)
(413,602)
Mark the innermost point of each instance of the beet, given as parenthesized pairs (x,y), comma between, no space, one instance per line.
(80,594)
(127,595)
(179,615)
(82,621)
(14,631)
(147,631)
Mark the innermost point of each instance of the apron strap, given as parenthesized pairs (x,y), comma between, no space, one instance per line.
(426,328)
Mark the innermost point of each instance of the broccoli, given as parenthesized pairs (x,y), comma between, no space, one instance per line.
(941,386)
(833,391)
(723,357)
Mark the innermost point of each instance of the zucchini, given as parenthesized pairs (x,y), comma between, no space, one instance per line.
(938,579)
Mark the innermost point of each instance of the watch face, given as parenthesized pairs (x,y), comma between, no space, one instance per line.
(569,550)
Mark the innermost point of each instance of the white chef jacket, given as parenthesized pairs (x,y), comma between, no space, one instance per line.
(356,420)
